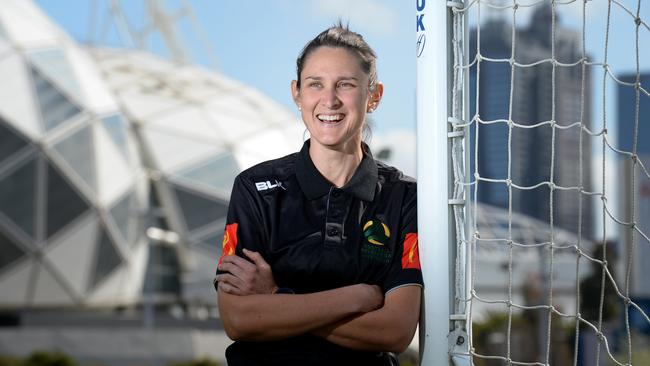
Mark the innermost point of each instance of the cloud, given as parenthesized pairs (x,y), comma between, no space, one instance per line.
(367,16)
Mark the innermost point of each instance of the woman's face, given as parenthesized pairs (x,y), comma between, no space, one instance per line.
(334,97)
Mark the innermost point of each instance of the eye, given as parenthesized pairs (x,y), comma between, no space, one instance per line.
(315,84)
(346,85)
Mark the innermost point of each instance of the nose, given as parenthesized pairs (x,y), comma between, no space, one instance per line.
(330,99)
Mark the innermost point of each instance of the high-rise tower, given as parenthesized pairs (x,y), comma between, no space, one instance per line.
(541,96)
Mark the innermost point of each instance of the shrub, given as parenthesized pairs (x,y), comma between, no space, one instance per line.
(9,361)
(48,358)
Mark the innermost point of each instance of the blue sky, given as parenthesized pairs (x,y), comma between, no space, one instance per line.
(257,41)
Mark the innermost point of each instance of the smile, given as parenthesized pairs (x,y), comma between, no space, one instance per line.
(330,118)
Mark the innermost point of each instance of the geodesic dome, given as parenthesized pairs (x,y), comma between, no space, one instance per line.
(70,185)
(197,130)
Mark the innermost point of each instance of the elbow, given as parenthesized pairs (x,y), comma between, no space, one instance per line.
(237,328)
(234,319)
(398,340)
(232,331)
(399,344)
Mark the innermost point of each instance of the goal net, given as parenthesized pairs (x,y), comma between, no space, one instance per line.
(550,201)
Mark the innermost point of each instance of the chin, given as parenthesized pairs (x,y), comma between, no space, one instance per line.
(326,141)
(336,144)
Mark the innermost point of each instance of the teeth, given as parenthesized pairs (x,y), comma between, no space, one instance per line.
(330,117)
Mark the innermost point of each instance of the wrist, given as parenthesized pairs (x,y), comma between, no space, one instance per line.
(283,290)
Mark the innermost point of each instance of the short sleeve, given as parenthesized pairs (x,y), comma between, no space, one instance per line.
(244,224)
(405,265)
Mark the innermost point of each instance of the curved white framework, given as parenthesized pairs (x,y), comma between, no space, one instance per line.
(71,187)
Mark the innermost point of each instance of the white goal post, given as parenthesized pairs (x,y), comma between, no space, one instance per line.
(443,328)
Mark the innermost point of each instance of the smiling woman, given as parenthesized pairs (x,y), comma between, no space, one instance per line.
(322,267)
(334,98)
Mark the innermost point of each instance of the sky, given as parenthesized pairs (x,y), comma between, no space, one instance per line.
(257,42)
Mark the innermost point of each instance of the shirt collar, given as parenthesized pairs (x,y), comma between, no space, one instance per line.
(314,185)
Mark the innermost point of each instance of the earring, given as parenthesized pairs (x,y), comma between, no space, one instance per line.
(299,108)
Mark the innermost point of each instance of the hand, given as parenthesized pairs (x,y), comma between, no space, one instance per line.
(370,297)
(244,277)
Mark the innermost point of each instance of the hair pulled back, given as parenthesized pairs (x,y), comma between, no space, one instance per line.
(340,36)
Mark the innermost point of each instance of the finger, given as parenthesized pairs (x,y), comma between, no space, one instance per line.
(239,262)
(233,269)
(234,289)
(230,280)
(243,279)
(227,288)
(256,258)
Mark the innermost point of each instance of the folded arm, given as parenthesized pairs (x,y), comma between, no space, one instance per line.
(389,328)
(352,316)
(264,317)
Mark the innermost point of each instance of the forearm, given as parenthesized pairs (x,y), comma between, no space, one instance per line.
(272,317)
(367,332)
(390,328)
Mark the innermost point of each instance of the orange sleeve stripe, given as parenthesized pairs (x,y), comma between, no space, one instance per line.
(229,243)
(411,254)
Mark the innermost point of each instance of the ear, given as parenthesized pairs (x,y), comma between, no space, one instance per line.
(375,97)
(295,92)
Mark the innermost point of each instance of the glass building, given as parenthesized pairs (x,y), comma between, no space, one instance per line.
(536,98)
(634,196)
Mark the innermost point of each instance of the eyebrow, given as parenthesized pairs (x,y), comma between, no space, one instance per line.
(318,78)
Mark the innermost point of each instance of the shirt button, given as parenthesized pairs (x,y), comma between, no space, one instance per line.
(336,194)
(333,231)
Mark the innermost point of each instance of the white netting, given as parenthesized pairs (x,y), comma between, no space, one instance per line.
(541,121)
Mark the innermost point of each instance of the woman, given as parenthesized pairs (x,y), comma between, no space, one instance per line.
(326,270)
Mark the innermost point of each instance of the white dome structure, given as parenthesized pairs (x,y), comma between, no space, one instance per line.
(530,259)
(70,179)
(196,130)
(88,141)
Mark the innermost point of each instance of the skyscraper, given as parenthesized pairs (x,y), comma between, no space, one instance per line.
(541,95)
(634,197)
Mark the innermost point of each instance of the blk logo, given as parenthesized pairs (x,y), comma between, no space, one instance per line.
(263,186)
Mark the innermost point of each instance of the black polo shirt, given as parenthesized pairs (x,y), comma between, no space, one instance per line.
(318,237)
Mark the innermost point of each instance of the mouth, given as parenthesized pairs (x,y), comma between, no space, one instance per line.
(330,118)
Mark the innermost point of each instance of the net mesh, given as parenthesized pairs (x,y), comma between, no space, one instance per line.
(546,124)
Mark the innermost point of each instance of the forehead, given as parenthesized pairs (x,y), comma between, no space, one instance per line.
(332,60)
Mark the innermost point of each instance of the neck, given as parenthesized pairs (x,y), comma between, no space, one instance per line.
(336,165)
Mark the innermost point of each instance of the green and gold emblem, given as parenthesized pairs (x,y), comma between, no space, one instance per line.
(376,246)
(376,232)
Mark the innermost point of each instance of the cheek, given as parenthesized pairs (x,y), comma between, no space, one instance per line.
(308,101)
(353,101)
(362,101)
